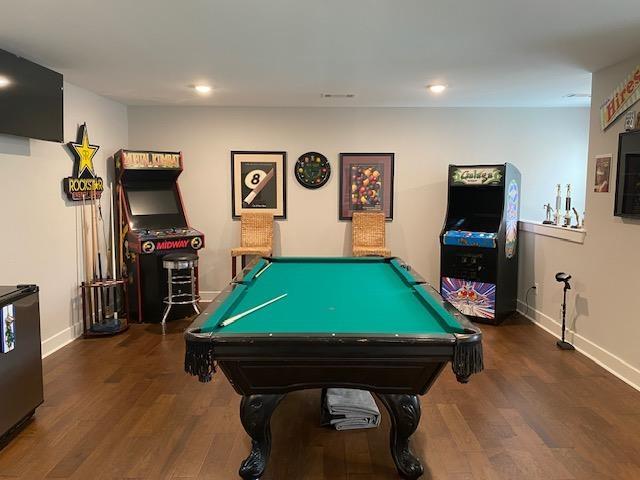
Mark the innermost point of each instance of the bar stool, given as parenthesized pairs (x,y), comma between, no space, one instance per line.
(177,262)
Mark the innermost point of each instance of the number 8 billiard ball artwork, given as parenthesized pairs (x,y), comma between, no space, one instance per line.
(312,170)
(256,180)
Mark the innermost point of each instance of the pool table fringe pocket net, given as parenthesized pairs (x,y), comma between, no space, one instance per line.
(467,360)
(199,361)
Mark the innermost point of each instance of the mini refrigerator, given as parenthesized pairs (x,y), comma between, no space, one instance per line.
(21,390)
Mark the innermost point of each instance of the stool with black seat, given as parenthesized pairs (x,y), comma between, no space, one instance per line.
(176,264)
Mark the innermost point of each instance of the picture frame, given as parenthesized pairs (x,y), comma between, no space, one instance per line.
(258,182)
(366,184)
(602,173)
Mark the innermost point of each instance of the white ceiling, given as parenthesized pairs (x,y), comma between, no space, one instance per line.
(287,52)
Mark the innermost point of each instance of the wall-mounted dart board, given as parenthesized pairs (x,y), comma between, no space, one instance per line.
(312,170)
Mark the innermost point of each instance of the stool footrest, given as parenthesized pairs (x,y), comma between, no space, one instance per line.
(190,301)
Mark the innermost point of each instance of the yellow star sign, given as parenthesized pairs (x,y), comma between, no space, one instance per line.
(85,153)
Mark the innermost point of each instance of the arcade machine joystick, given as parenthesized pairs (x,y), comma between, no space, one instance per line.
(564,277)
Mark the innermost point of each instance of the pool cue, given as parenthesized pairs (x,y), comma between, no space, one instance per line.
(86,243)
(261,271)
(230,320)
(258,188)
(100,222)
(96,255)
(121,230)
(112,222)
(86,307)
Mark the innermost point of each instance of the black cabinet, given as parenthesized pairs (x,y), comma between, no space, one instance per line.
(21,390)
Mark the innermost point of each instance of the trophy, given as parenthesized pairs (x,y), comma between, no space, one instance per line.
(548,210)
(567,213)
(577,225)
(556,214)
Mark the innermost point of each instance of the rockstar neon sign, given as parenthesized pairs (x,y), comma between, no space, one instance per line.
(84,183)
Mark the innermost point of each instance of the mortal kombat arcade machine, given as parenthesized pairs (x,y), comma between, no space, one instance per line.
(479,255)
(152,223)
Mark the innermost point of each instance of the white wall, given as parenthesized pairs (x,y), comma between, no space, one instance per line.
(38,243)
(603,311)
(547,145)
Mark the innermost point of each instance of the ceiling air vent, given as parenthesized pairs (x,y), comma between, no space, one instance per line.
(337,95)
(577,95)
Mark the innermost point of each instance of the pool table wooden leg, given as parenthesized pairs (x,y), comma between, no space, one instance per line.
(255,414)
(404,411)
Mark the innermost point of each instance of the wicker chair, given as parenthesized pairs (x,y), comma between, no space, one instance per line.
(368,234)
(256,237)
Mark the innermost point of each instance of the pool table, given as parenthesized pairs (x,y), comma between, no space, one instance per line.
(369,323)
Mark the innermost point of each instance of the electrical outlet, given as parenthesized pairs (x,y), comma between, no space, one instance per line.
(535,287)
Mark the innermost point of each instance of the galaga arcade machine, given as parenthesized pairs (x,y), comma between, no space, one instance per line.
(152,224)
(479,255)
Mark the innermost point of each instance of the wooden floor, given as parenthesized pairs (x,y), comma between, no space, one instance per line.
(123,408)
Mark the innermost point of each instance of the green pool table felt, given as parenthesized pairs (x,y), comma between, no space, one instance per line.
(332,295)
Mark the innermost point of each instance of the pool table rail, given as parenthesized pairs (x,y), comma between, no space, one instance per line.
(294,361)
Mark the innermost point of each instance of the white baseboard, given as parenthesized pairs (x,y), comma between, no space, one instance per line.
(69,334)
(207,296)
(607,360)
(60,339)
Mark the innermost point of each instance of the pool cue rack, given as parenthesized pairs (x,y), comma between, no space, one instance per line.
(103,317)
(104,305)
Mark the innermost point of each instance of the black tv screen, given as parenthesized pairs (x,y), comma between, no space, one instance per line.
(152,202)
(30,99)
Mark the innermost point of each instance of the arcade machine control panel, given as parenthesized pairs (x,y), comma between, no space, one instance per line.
(148,241)
(152,223)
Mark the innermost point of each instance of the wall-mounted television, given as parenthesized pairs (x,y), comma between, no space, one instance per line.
(30,99)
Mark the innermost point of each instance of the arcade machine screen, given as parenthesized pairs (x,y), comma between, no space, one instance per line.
(473,209)
(155,207)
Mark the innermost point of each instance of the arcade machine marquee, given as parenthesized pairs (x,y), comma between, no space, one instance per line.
(152,223)
(479,256)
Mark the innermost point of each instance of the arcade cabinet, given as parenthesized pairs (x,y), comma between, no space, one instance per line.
(152,223)
(479,255)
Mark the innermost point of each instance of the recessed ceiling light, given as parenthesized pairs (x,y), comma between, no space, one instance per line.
(203,89)
(437,88)
(4,82)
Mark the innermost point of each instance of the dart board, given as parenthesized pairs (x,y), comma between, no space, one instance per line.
(312,170)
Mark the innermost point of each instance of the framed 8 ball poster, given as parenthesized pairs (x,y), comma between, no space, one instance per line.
(258,182)
(366,183)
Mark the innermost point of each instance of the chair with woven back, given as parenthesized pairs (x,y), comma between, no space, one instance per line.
(256,237)
(368,233)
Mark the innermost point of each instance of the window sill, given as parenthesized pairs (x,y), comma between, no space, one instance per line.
(575,235)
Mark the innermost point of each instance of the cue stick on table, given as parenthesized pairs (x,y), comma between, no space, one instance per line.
(258,188)
(230,320)
(261,271)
